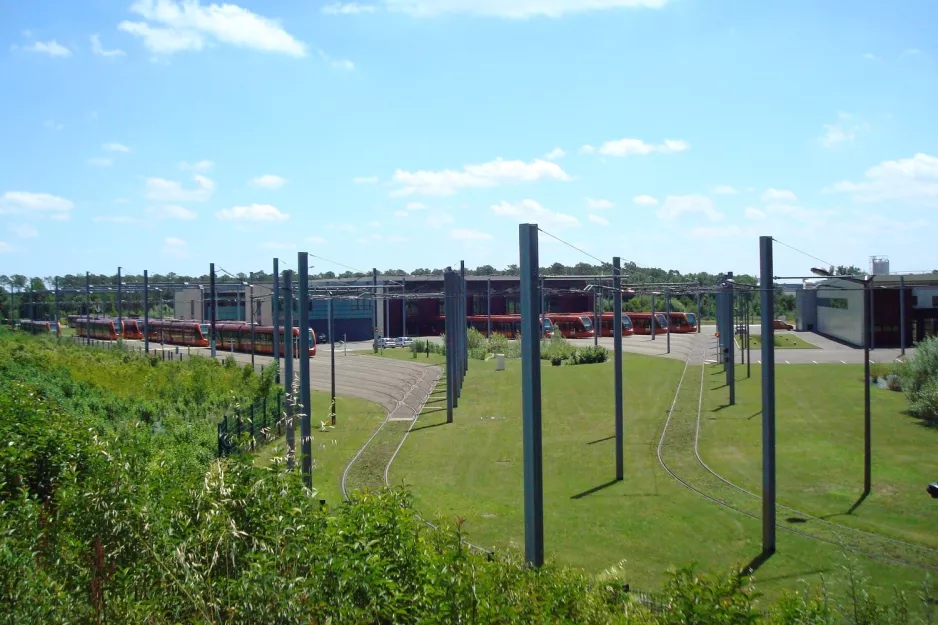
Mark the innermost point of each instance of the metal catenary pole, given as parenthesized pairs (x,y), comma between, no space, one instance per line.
(374,303)
(146,312)
(120,308)
(253,324)
(667,316)
(463,319)
(653,324)
(748,336)
(767,293)
(597,325)
(867,423)
(448,344)
(56,300)
(488,306)
(87,308)
(404,306)
(332,355)
(212,295)
(617,368)
(698,314)
(531,398)
(302,263)
(902,314)
(730,342)
(275,313)
(288,362)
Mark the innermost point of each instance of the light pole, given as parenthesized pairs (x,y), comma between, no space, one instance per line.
(867,420)
(120,310)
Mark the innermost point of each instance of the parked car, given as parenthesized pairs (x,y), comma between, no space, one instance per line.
(387,342)
(742,329)
(781,324)
(404,341)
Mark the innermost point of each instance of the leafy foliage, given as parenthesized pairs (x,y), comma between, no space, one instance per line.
(920,379)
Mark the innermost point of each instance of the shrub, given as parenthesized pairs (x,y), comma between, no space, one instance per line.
(497,343)
(920,380)
(556,361)
(474,338)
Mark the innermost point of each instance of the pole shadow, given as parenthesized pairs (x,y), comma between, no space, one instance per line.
(716,388)
(426,427)
(754,415)
(595,489)
(719,408)
(756,563)
(859,501)
(600,440)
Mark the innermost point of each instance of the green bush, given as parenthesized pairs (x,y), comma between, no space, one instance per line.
(920,380)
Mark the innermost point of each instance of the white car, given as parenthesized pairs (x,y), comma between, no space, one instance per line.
(404,341)
(387,342)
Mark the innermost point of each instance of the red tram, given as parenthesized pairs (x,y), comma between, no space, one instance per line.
(238,335)
(605,324)
(641,322)
(683,322)
(97,328)
(508,326)
(40,327)
(572,326)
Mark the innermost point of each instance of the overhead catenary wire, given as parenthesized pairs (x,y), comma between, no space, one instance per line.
(792,247)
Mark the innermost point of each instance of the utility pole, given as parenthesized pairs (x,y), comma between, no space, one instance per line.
(374,303)
(488,305)
(302,262)
(403,306)
(902,314)
(653,324)
(253,325)
(56,302)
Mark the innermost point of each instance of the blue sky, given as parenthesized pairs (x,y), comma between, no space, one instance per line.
(168,134)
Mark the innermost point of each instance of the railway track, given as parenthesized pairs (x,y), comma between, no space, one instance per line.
(683,426)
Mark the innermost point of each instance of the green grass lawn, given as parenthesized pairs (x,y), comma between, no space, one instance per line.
(472,469)
(782,341)
(356,420)
(819,430)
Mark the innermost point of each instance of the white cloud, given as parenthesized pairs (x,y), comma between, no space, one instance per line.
(115,219)
(53,125)
(675,206)
(415,206)
(337,63)
(779,195)
(629,147)
(843,131)
(172,211)
(514,9)
(869,56)
(317,240)
(347,8)
(173,246)
(59,216)
(374,224)
(724,189)
(100,161)
(25,231)
(645,200)
(554,154)
(754,213)
(396,238)
(462,234)
(160,190)
(715,232)
(99,50)
(401,213)
(438,220)
(172,26)
(491,174)
(254,212)
(910,52)
(5,248)
(365,180)
(199,167)
(599,204)
(18,202)
(268,181)
(52,48)
(530,211)
(342,227)
(596,219)
(276,245)
(115,147)
(909,179)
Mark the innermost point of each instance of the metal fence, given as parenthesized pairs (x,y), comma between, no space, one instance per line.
(261,421)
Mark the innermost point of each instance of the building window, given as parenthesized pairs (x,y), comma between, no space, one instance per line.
(934,301)
(833,302)
(512,306)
